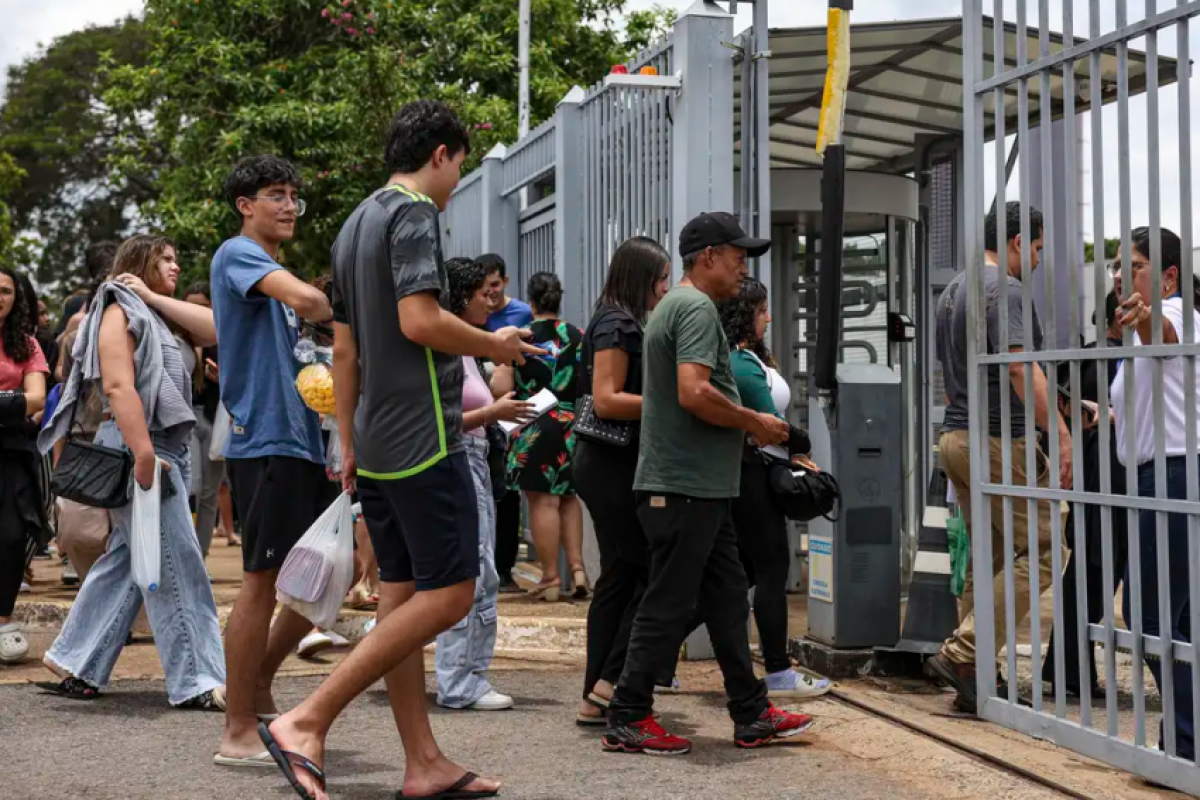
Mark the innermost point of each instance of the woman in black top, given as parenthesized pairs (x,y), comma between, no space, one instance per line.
(611,373)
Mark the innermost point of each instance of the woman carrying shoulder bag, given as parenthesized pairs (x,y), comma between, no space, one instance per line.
(760,522)
(606,454)
(126,345)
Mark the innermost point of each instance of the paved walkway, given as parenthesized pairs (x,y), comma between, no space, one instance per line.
(131,746)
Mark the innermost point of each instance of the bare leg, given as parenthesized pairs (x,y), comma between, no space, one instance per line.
(285,636)
(247,638)
(546,524)
(570,514)
(225,512)
(407,619)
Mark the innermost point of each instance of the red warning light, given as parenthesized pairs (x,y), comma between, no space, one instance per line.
(619,69)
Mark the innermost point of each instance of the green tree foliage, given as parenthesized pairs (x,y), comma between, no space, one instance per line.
(60,132)
(14,250)
(316,81)
(1110,250)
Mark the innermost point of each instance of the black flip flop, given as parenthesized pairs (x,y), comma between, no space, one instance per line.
(286,759)
(455,792)
(72,688)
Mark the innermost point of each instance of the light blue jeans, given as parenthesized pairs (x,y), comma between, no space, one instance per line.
(465,651)
(182,613)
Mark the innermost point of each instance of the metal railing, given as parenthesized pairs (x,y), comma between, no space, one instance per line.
(1159,505)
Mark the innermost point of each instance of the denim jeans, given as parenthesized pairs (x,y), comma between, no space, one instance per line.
(182,613)
(207,475)
(1179,625)
(465,651)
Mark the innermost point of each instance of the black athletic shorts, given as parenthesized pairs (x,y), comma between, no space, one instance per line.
(278,498)
(425,528)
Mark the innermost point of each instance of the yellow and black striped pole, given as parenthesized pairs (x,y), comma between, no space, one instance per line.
(829,147)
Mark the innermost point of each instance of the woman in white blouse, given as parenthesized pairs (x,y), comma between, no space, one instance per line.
(1136,313)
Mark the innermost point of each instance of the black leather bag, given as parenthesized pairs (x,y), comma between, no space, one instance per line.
(592,428)
(802,495)
(92,474)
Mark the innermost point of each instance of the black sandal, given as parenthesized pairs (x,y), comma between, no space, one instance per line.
(72,688)
(286,759)
(457,791)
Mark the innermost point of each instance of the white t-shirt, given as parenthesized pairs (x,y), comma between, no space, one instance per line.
(1143,395)
(781,396)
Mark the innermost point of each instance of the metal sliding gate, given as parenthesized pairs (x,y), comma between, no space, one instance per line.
(1007,94)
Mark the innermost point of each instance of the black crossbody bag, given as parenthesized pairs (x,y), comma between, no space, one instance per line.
(592,428)
(91,474)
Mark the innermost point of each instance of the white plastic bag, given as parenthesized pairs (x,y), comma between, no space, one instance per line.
(220,434)
(145,538)
(317,573)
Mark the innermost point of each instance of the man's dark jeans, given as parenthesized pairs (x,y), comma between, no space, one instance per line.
(694,565)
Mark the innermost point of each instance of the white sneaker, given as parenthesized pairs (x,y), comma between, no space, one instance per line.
(492,701)
(792,683)
(25,588)
(336,639)
(314,643)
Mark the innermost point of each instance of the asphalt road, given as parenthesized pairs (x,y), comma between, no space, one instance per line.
(132,745)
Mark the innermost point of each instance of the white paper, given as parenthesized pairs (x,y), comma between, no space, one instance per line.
(542,402)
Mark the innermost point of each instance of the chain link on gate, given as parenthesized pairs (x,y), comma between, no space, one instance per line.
(1043,76)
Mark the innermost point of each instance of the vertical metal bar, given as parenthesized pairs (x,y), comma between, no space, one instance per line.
(1049,234)
(1128,368)
(1002,234)
(1080,545)
(606,154)
(590,262)
(1188,336)
(626,162)
(1027,344)
(1167,685)
(1105,447)
(762,126)
(746,184)
(973,248)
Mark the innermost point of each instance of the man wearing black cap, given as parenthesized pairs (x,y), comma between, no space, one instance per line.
(693,426)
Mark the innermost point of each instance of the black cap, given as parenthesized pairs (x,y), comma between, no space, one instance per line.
(716,228)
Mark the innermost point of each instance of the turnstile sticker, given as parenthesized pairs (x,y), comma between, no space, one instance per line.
(820,568)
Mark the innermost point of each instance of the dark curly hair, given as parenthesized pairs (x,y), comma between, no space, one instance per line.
(200,288)
(545,292)
(418,130)
(16,326)
(253,173)
(466,277)
(737,318)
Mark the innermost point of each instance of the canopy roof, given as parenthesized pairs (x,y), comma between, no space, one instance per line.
(906,80)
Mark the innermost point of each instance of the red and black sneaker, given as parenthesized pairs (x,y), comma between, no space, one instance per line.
(643,736)
(772,724)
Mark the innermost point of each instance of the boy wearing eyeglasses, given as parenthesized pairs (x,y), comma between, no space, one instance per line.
(275,456)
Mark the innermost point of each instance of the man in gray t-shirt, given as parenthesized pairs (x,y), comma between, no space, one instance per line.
(1003,304)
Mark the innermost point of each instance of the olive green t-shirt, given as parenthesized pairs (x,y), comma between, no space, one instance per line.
(680,453)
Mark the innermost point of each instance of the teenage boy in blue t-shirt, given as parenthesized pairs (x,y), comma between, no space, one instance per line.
(274,456)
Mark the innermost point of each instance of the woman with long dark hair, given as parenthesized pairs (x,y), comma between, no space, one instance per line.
(539,458)
(23,524)
(760,523)
(610,379)
(126,346)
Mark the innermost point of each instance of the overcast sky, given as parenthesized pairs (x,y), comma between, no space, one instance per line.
(31,24)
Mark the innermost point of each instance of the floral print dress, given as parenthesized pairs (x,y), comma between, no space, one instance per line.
(539,456)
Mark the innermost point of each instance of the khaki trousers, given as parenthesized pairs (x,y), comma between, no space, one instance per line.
(955,456)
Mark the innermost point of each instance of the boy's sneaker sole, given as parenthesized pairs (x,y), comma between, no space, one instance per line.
(615,746)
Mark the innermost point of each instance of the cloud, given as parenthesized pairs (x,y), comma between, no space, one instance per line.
(39,23)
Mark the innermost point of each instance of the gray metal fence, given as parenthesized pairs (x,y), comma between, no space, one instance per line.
(1160,506)
(623,158)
